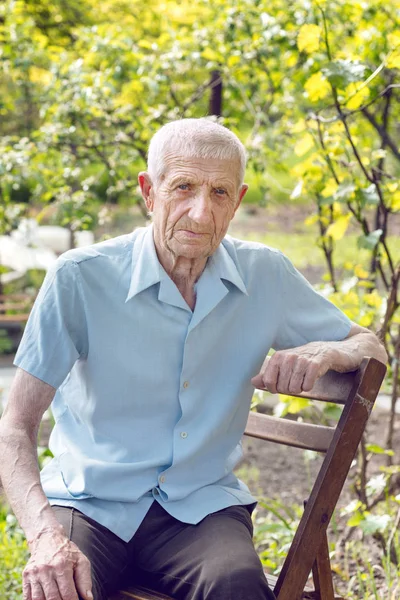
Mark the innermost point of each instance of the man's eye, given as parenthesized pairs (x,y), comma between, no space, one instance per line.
(183,186)
(220,191)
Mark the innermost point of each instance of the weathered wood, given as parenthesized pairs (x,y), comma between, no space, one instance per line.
(6,297)
(330,480)
(322,574)
(17,318)
(13,306)
(19,304)
(290,433)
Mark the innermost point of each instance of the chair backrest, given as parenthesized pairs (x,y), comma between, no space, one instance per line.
(357,391)
(15,308)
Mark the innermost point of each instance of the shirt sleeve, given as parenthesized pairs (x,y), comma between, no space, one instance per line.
(56,332)
(306,316)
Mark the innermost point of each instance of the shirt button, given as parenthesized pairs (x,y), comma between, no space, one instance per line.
(183,434)
(185,384)
(162,479)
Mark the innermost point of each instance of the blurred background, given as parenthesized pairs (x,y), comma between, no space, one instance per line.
(312,90)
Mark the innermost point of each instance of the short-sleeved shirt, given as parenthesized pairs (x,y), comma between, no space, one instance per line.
(152,398)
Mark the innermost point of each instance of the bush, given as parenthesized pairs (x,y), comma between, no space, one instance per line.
(14,555)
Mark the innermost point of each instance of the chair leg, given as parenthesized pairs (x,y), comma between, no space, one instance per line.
(322,573)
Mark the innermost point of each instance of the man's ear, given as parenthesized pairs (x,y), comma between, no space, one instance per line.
(242,192)
(146,187)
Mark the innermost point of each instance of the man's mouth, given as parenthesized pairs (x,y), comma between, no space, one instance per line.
(192,234)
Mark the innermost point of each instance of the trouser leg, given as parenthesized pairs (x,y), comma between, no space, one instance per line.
(107,553)
(213,560)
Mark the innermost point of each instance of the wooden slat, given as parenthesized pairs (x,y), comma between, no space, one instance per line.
(7,297)
(330,480)
(14,305)
(20,318)
(322,573)
(290,433)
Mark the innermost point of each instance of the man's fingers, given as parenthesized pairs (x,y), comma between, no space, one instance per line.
(311,376)
(270,374)
(66,585)
(287,374)
(297,376)
(83,577)
(37,591)
(26,590)
(258,382)
(267,379)
(51,591)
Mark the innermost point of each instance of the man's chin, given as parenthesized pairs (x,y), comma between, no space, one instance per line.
(192,251)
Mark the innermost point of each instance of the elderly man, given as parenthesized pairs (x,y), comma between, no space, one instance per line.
(145,346)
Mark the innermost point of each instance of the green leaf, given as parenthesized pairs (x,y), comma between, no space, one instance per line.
(391,470)
(373,523)
(355,520)
(375,449)
(342,72)
(369,241)
(338,228)
(344,192)
(332,411)
(367,195)
(296,405)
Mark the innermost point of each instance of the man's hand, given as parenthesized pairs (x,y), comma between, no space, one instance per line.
(57,569)
(296,370)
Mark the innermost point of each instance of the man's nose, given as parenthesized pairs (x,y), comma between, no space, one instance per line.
(200,210)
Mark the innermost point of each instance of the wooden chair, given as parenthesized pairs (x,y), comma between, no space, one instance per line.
(308,552)
(15,308)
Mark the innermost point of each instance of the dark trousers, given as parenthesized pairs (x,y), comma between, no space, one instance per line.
(213,560)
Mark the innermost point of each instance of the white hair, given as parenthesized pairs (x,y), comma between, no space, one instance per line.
(194,138)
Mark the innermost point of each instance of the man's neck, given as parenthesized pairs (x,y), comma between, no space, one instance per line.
(184,272)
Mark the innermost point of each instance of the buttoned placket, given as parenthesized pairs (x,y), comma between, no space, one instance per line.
(210,291)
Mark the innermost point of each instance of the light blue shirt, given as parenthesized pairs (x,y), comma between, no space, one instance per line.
(152,399)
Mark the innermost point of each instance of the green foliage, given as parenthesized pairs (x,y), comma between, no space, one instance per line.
(14,556)
(5,342)
(310,87)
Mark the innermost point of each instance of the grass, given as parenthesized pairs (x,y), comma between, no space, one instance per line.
(303,251)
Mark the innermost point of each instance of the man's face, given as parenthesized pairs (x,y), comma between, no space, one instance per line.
(193,204)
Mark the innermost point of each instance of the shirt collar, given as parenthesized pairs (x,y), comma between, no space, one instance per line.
(147,270)
(145,265)
(223,265)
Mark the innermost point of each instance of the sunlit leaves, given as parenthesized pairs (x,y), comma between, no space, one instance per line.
(317,87)
(393,60)
(304,145)
(357,96)
(337,229)
(309,38)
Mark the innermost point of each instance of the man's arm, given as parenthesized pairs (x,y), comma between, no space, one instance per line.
(296,369)
(55,561)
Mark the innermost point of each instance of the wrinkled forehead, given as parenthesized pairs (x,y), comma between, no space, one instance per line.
(215,171)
